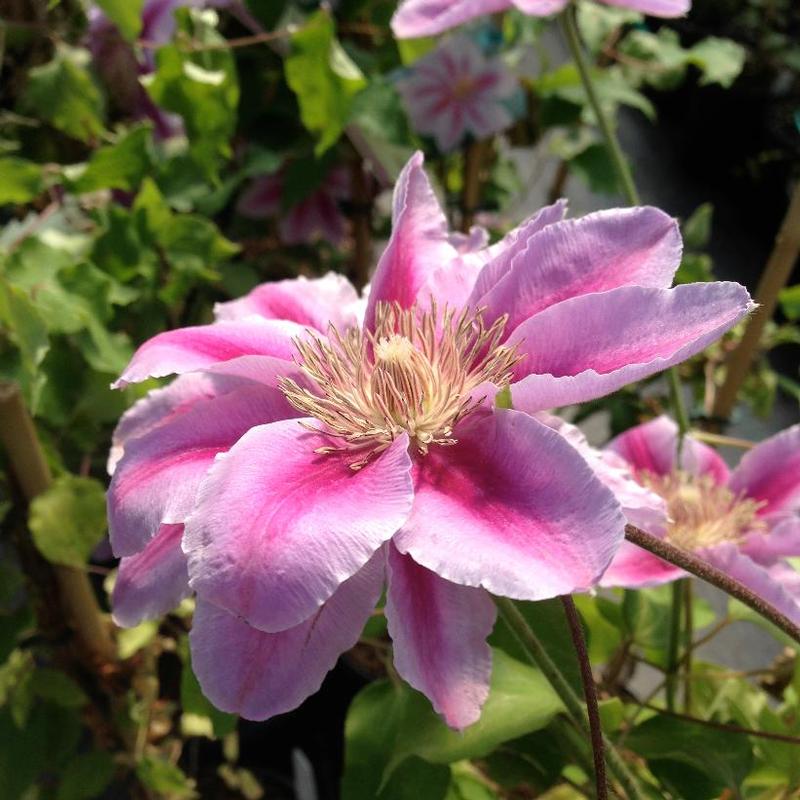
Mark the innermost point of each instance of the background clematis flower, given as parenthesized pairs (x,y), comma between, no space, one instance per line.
(310,450)
(745,522)
(455,91)
(416,18)
(317,216)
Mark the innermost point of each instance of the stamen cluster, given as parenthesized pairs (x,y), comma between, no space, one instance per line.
(419,372)
(701,512)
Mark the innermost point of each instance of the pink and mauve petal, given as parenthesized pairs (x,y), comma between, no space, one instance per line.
(512,508)
(598,252)
(634,568)
(500,256)
(277,527)
(156,481)
(262,198)
(314,302)
(245,671)
(415,18)
(781,539)
(770,472)
(152,582)
(189,349)
(591,345)
(540,8)
(767,582)
(656,8)
(418,244)
(439,632)
(653,447)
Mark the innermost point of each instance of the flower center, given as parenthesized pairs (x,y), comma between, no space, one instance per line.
(418,373)
(701,512)
(463,87)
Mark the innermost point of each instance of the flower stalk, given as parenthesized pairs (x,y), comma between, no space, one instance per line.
(716,577)
(673,643)
(539,656)
(590,695)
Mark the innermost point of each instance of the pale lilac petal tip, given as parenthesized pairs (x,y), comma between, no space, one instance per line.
(514,509)
(415,18)
(439,632)
(277,527)
(152,582)
(591,345)
(245,671)
(634,568)
(656,8)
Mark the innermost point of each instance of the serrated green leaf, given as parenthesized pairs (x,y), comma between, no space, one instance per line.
(63,93)
(131,640)
(324,79)
(720,60)
(86,777)
(167,780)
(125,14)
(20,180)
(121,165)
(68,520)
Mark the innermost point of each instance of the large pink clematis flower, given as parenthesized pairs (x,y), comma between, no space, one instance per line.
(428,17)
(456,91)
(312,447)
(745,522)
(317,216)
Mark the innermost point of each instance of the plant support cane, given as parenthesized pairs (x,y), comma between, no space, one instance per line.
(29,467)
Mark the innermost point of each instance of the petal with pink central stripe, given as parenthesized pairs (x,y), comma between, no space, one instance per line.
(591,345)
(439,632)
(512,507)
(245,671)
(189,349)
(157,478)
(152,582)
(417,18)
(635,568)
(277,527)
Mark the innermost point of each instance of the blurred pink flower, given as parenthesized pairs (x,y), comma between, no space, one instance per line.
(456,91)
(428,17)
(745,522)
(316,216)
(312,448)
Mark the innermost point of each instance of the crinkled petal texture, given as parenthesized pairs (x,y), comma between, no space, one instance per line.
(156,481)
(653,447)
(656,8)
(636,568)
(439,632)
(598,252)
(246,671)
(770,473)
(588,346)
(277,528)
(190,349)
(419,242)
(512,508)
(152,582)
(315,303)
(781,539)
(768,582)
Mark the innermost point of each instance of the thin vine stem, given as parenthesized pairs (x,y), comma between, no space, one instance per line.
(673,643)
(716,577)
(590,695)
(538,655)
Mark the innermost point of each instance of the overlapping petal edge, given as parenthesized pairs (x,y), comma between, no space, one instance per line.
(512,508)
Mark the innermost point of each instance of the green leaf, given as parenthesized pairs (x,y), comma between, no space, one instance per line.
(202,87)
(697,229)
(165,779)
(69,520)
(595,167)
(597,23)
(56,687)
(695,762)
(131,640)
(467,783)
(20,180)
(125,14)
(121,165)
(63,93)
(789,299)
(87,775)
(520,701)
(720,60)
(324,79)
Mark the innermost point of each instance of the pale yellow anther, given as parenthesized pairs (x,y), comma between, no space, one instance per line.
(395,349)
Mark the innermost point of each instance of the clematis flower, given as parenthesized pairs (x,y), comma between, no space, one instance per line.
(316,216)
(456,91)
(308,451)
(745,522)
(416,18)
